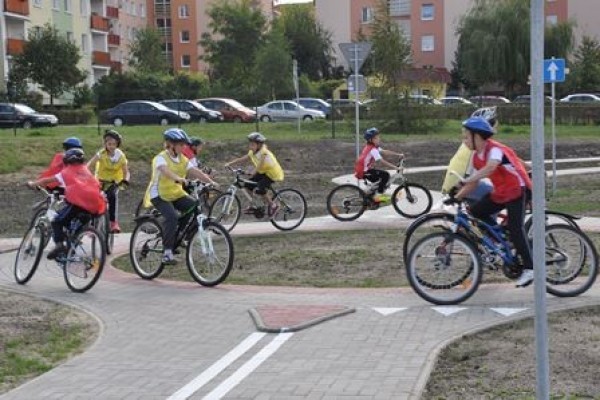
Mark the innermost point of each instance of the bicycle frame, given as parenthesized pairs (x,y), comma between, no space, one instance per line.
(239,185)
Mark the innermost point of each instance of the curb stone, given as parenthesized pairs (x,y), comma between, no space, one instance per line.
(279,319)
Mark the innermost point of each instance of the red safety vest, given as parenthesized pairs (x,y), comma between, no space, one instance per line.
(507,186)
(82,189)
(359,166)
(188,152)
(56,165)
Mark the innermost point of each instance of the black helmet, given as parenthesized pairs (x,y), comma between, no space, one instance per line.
(196,141)
(73,156)
(111,133)
(370,133)
(72,143)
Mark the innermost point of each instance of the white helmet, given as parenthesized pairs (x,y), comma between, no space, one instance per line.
(257,137)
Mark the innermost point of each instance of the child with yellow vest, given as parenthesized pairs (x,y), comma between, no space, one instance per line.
(266,168)
(111,169)
(165,191)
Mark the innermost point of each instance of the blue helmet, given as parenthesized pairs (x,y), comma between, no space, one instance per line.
(480,126)
(176,135)
(72,143)
(370,133)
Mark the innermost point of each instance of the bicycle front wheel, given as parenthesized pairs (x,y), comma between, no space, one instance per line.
(226,210)
(209,254)
(571,261)
(29,254)
(423,226)
(146,248)
(412,200)
(85,260)
(39,219)
(444,268)
(346,202)
(292,209)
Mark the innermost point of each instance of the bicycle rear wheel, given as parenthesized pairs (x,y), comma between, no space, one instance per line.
(346,202)
(210,254)
(226,210)
(411,200)
(444,268)
(146,248)
(29,254)
(424,225)
(292,209)
(571,261)
(85,260)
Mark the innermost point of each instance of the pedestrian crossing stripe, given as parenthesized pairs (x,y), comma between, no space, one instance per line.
(450,310)
(507,312)
(385,311)
(446,311)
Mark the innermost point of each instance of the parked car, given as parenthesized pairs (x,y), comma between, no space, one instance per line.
(197,112)
(232,110)
(486,101)
(24,116)
(454,101)
(316,104)
(525,99)
(286,110)
(421,99)
(580,98)
(143,112)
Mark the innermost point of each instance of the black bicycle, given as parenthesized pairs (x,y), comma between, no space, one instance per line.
(209,248)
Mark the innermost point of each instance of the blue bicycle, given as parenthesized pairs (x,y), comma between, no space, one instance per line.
(446,267)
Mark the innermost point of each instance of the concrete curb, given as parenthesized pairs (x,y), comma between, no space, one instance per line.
(258,316)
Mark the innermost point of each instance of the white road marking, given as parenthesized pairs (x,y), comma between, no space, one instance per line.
(248,367)
(385,311)
(446,311)
(217,367)
(507,312)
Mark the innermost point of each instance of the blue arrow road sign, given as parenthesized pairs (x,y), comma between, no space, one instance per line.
(554,70)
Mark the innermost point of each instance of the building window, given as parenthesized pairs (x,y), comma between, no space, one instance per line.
(83,7)
(37,3)
(427,43)
(142,11)
(56,4)
(84,44)
(427,12)
(133,10)
(68,6)
(70,37)
(184,11)
(185,61)
(184,36)
(551,19)
(367,15)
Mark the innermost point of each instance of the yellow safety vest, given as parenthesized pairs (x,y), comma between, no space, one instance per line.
(271,168)
(168,189)
(109,171)
(459,164)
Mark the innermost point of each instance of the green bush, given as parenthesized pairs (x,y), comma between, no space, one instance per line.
(81,116)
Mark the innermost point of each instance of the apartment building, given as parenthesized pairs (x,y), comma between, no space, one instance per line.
(431,25)
(181,24)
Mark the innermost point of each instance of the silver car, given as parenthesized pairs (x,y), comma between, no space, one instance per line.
(286,110)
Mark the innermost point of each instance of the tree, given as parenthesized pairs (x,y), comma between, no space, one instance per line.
(273,67)
(585,67)
(146,52)
(237,29)
(310,42)
(50,60)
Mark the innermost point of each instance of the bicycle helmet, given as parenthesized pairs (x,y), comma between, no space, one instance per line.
(480,126)
(72,143)
(111,133)
(73,156)
(176,135)
(487,113)
(370,133)
(196,141)
(257,137)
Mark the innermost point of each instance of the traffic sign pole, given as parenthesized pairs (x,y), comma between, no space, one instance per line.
(356,108)
(553,85)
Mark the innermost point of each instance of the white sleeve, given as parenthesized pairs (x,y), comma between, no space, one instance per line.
(496,154)
(160,161)
(60,179)
(191,164)
(376,154)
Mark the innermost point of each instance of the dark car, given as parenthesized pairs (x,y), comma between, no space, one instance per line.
(143,112)
(316,104)
(526,100)
(232,110)
(487,101)
(197,112)
(24,116)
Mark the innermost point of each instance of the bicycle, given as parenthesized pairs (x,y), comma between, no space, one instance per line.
(209,248)
(347,202)
(446,267)
(227,207)
(85,255)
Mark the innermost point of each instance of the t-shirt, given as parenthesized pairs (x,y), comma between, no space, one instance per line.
(496,154)
(160,160)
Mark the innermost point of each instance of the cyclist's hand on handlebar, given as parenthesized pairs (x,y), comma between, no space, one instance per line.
(31,185)
(123,184)
(450,201)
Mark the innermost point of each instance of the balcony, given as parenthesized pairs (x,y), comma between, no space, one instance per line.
(99,23)
(101,58)
(14,46)
(114,40)
(20,7)
(112,12)
(116,66)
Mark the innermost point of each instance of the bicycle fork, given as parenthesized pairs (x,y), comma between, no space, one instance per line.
(206,244)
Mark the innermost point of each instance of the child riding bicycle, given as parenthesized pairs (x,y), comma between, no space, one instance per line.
(111,168)
(370,155)
(82,195)
(266,169)
(57,161)
(170,168)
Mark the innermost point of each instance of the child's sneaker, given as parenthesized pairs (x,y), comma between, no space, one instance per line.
(114,227)
(56,251)
(169,259)
(381,198)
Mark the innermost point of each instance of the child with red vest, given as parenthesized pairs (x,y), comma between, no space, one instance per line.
(499,163)
(57,161)
(371,154)
(82,195)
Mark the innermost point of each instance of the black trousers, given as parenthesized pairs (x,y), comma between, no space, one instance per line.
(169,212)
(485,208)
(374,175)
